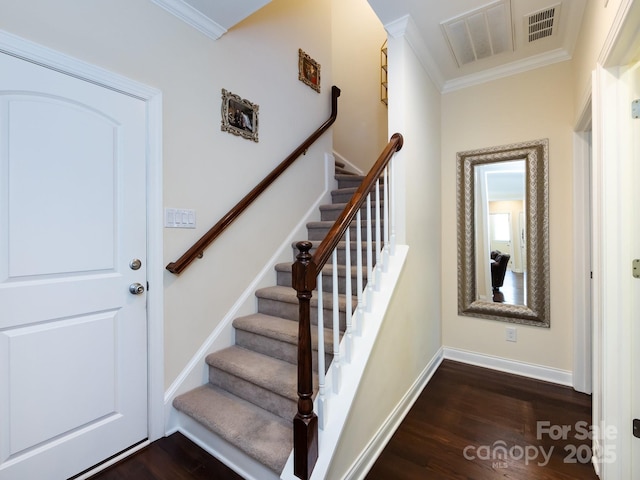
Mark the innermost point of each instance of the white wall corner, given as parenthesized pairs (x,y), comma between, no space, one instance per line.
(192,17)
(406,27)
(537,372)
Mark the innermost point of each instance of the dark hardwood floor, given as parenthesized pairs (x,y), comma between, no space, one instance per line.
(171,458)
(513,289)
(465,414)
(454,430)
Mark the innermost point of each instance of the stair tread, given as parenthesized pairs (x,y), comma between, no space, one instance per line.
(267,372)
(341,206)
(327,269)
(259,433)
(352,190)
(341,244)
(329,223)
(289,295)
(280,329)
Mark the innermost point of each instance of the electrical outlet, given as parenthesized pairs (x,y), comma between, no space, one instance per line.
(512,334)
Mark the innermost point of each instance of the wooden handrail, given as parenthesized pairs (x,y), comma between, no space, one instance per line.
(328,245)
(197,250)
(304,278)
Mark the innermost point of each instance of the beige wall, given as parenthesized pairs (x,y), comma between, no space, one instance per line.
(204,168)
(360,132)
(528,106)
(410,336)
(596,24)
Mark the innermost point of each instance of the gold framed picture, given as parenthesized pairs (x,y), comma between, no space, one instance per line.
(308,70)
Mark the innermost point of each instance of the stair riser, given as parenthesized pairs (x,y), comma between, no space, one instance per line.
(342,255)
(284,279)
(332,214)
(281,350)
(285,408)
(291,311)
(351,181)
(320,232)
(339,196)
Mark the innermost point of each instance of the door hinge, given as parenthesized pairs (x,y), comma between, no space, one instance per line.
(635,108)
(636,268)
(636,427)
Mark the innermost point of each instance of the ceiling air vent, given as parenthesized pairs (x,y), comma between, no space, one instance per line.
(480,33)
(542,24)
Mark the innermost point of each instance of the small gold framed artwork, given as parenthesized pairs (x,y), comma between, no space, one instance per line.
(308,71)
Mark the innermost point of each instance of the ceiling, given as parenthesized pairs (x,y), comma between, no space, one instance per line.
(426,23)
(460,42)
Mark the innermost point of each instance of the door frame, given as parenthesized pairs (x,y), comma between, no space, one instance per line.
(582,248)
(46,57)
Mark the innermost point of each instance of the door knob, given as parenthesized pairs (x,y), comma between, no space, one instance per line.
(136,288)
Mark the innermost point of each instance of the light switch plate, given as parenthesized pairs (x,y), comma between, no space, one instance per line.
(179,218)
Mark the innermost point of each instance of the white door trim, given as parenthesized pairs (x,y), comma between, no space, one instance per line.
(582,338)
(44,56)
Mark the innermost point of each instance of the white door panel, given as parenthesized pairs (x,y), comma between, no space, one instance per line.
(73,390)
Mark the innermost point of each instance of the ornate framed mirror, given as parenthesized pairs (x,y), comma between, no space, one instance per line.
(503,233)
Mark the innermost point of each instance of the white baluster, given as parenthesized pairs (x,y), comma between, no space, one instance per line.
(385,256)
(322,400)
(337,381)
(392,205)
(370,279)
(378,240)
(359,286)
(348,336)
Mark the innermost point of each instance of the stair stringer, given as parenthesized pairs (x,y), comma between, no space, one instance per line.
(338,406)
(196,372)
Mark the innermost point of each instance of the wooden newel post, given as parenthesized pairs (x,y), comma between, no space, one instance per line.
(305,423)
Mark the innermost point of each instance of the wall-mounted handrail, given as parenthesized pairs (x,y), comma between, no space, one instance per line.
(304,280)
(198,248)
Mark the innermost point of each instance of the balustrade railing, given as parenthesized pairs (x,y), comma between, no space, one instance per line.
(307,275)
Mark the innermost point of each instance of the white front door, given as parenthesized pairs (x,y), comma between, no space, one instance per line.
(73,339)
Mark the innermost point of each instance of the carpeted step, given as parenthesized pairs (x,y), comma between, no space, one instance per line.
(283,271)
(319,230)
(348,181)
(351,180)
(260,434)
(260,379)
(343,195)
(278,338)
(333,210)
(282,302)
(343,171)
(341,250)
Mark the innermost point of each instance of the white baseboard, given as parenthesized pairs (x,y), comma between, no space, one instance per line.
(370,454)
(348,164)
(538,372)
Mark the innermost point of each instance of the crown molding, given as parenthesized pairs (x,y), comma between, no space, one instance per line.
(192,17)
(406,27)
(513,68)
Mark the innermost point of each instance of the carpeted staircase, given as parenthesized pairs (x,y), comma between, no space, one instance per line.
(251,398)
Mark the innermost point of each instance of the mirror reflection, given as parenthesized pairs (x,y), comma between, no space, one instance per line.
(501,232)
